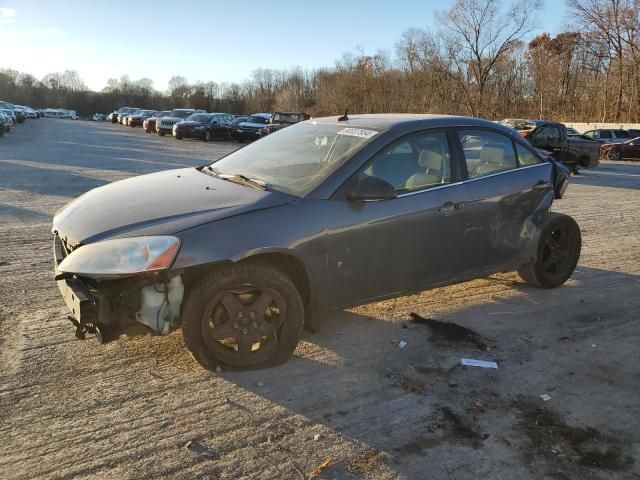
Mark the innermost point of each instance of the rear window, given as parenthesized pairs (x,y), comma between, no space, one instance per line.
(622,134)
(525,156)
(487,152)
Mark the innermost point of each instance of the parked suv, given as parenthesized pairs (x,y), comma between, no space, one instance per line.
(608,136)
(165,124)
(252,128)
(149,124)
(280,120)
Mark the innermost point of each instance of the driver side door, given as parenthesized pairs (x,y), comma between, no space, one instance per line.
(379,248)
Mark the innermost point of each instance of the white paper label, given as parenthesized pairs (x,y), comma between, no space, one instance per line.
(357,132)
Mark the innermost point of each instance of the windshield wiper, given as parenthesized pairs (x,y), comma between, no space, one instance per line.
(243,179)
(237,178)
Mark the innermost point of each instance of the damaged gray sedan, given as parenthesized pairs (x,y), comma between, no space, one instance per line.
(243,253)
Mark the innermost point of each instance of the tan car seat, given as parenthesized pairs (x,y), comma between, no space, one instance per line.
(432,164)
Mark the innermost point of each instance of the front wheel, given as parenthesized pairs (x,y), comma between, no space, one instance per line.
(207,136)
(614,154)
(241,317)
(558,253)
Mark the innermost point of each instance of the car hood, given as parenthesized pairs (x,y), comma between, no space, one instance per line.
(190,124)
(177,119)
(160,203)
(252,125)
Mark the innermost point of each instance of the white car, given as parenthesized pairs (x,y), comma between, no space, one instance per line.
(165,125)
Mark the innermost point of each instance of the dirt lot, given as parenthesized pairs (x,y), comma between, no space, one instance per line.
(351,403)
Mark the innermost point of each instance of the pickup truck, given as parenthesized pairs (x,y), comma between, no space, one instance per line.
(573,151)
(280,120)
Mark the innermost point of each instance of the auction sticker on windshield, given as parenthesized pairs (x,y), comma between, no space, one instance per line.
(357,132)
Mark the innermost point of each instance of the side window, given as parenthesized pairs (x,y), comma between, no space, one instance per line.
(415,163)
(605,134)
(487,152)
(526,156)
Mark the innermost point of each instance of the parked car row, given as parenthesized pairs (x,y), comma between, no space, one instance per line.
(574,151)
(612,143)
(195,123)
(11,115)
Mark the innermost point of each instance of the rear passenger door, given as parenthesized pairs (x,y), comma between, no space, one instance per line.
(506,184)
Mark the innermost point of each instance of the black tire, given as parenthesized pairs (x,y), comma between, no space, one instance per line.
(275,334)
(206,136)
(161,133)
(240,140)
(178,137)
(558,253)
(614,154)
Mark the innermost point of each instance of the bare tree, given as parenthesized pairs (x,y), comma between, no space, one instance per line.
(475,36)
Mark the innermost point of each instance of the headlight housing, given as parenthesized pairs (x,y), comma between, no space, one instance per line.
(122,256)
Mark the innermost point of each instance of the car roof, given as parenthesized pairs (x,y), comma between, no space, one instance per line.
(263,115)
(388,121)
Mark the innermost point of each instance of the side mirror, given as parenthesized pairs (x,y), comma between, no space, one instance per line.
(372,188)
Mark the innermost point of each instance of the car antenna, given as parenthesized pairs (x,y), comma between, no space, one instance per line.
(344,118)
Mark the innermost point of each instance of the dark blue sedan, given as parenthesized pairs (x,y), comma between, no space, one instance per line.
(326,214)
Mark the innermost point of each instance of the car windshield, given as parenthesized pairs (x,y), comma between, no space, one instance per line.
(197,117)
(181,113)
(256,119)
(297,159)
(286,117)
(518,124)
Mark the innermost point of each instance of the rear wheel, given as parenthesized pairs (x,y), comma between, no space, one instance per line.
(178,137)
(243,317)
(558,253)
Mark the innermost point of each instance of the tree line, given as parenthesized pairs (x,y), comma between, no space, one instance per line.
(479,61)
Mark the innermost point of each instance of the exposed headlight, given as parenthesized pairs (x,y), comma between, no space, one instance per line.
(122,256)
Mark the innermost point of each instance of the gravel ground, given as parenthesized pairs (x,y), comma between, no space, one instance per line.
(351,403)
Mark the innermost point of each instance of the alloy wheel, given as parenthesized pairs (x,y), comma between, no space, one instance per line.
(241,326)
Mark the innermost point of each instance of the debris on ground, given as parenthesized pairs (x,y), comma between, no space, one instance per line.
(316,437)
(323,466)
(453,383)
(461,429)
(260,384)
(545,397)
(368,462)
(478,404)
(402,344)
(412,386)
(471,362)
(199,449)
(549,434)
(450,332)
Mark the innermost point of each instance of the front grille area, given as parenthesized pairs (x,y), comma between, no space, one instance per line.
(168,123)
(66,245)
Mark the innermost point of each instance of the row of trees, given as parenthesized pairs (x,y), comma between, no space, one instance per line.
(477,62)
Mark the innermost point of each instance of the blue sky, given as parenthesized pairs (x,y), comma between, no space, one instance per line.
(205,40)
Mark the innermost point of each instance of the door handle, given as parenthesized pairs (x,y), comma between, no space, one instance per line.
(542,185)
(446,209)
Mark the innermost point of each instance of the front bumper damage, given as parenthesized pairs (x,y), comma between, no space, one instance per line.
(109,307)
